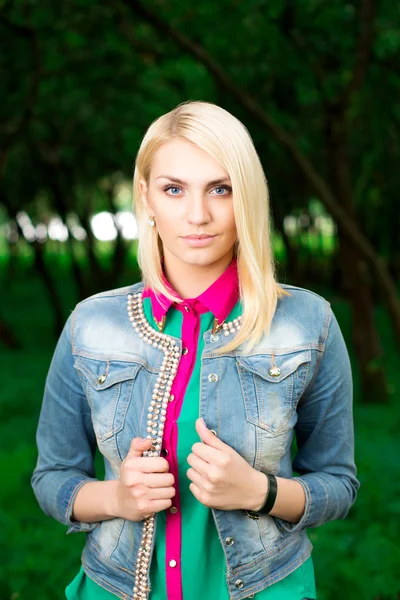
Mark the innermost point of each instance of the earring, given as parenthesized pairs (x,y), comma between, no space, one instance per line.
(151,221)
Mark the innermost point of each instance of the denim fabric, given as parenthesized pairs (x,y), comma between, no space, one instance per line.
(254,411)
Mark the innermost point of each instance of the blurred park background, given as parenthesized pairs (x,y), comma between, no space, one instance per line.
(317,84)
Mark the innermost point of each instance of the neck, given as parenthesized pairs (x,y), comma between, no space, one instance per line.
(192,280)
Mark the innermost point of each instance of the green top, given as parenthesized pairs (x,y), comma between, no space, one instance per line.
(201,546)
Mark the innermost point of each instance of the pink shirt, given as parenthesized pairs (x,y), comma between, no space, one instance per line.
(219,298)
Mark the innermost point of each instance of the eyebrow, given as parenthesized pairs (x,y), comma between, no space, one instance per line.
(177,180)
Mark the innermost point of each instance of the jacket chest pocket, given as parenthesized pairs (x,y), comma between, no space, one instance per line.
(108,388)
(272,387)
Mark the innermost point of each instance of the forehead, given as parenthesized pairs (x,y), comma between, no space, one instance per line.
(184,160)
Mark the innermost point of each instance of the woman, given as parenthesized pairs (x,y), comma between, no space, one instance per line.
(192,385)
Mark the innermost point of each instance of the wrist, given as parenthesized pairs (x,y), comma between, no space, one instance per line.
(261,489)
(111,499)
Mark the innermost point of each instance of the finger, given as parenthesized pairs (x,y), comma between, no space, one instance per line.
(154,464)
(158,480)
(207,436)
(196,491)
(155,506)
(199,480)
(198,464)
(161,493)
(134,477)
(209,454)
(147,464)
(138,446)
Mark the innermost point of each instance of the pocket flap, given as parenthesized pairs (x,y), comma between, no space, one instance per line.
(102,374)
(261,364)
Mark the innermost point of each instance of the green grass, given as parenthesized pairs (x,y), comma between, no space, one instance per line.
(357,558)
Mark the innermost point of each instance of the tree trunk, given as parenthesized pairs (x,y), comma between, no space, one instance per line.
(60,195)
(7,336)
(43,272)
(354,269)
(367,346)
(50,288)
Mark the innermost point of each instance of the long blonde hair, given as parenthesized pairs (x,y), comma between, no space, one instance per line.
(227,140)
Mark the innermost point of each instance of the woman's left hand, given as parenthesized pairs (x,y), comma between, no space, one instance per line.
(221,478)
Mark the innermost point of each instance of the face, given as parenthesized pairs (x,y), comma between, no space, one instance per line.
(190,196)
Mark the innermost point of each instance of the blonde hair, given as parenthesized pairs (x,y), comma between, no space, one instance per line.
(227,140)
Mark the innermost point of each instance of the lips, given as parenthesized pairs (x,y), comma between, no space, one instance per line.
(201,236)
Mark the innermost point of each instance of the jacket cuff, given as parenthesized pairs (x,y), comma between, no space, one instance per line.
(66,498)
(315,506)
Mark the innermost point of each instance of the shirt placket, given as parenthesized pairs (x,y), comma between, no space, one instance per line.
(190,334)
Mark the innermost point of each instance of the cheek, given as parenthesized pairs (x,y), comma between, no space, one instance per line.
(166,217)
(231,224)
(224,215)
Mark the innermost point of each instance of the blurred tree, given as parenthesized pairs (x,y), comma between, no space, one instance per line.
(81,81)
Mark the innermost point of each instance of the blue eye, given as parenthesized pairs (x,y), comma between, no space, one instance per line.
(172,187)
(224,188)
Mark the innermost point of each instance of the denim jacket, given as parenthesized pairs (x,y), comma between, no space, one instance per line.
(297,380)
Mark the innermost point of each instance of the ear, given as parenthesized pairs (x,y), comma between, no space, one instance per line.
(143,192)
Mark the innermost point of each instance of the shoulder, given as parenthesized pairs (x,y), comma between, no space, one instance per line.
(301,300)
(100,322)
(305,309)
(115,294)
(303,294)
(105,307)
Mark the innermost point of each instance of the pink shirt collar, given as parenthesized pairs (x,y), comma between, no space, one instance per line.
(219,298)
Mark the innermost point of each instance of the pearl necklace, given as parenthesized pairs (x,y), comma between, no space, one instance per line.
(156,416)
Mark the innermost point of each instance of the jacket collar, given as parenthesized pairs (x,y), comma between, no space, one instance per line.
(219,298)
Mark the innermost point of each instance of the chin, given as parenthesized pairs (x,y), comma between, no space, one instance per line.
(201,259)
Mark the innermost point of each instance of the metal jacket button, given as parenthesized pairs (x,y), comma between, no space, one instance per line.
(238,583)
(229,541)
(213,377)
(102,378)
(274,371)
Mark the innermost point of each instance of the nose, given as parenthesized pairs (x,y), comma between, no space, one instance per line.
(198,210)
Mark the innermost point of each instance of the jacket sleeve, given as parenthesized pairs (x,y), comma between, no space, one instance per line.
(325,437)
(65,439)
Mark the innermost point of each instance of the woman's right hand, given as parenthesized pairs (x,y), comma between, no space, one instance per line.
(145,486)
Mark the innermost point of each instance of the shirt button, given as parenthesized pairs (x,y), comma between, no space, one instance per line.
(173,510)
(213,377)
(164,452)
(185,351)
(172,563)
(185,306)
